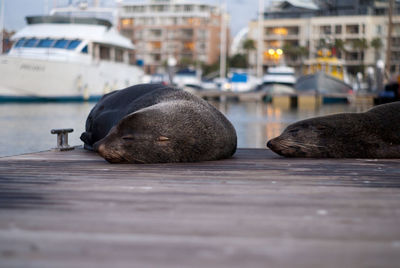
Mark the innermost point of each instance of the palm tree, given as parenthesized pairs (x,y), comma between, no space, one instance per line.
(289,51)
(248,46)
(360,45)
(339,45)
(294,53)
(377,44)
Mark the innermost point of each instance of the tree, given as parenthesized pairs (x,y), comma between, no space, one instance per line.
(339,46)
(238,61)
(377,44)
(360,45)
(211,69)
(294,53)
(248,46)
(186,62)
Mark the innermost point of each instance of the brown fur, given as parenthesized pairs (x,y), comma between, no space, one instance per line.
(158,124)
(372,134)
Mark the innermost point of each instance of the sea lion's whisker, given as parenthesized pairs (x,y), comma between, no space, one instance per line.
(310,145)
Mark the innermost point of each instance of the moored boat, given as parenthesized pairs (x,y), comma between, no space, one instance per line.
(57,58)
(284,75)
(322,83)
(279,80)
(325,76)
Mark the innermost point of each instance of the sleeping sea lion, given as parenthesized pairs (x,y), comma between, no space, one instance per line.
(153,123)
(372,134)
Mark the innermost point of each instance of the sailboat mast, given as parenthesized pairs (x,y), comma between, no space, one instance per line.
(222,67)
(260,34)
(1,26)
(389,39)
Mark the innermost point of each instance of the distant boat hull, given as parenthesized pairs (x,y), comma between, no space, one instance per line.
(322,83)
(26,79)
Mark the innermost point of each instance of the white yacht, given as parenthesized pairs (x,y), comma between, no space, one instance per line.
(280,75)
(59,58)
(279,80)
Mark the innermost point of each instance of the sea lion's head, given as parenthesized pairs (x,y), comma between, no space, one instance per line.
(174,131)
(335,136)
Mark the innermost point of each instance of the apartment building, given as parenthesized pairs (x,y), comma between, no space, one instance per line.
(293,24)
(161,29)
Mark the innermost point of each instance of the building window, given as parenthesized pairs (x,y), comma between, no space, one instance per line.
(378,29)
(139,34)
(187,33)
(352,56)
(352,29)
(396,42)
(126,23)
(202,34)
(325,29)
(188,8)
(189,46)
(157,57)
(178,8)
(338,29)
(156,32)
(155,45)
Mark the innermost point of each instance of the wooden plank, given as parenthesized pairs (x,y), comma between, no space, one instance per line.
(70,209)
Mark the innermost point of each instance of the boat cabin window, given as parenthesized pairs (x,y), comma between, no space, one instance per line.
(119,55)
(62,43)
(85,50)
(73,44)
(20,42)
(45,43)
(49,43)
(31,42)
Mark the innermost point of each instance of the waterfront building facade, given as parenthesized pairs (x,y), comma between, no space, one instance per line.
(304,29)
(163,29)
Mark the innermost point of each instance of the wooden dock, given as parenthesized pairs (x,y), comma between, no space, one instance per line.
(73,209)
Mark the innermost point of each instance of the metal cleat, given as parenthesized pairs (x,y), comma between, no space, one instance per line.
(62,138)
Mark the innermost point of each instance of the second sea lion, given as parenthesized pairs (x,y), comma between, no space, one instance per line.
(371,134)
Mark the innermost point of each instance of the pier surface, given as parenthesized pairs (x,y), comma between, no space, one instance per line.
(73,209)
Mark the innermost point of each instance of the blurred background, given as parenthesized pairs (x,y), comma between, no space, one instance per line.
(264,64)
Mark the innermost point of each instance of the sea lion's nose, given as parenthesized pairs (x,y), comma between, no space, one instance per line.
(99,147)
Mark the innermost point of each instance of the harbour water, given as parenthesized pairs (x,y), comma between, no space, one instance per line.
(26,127)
